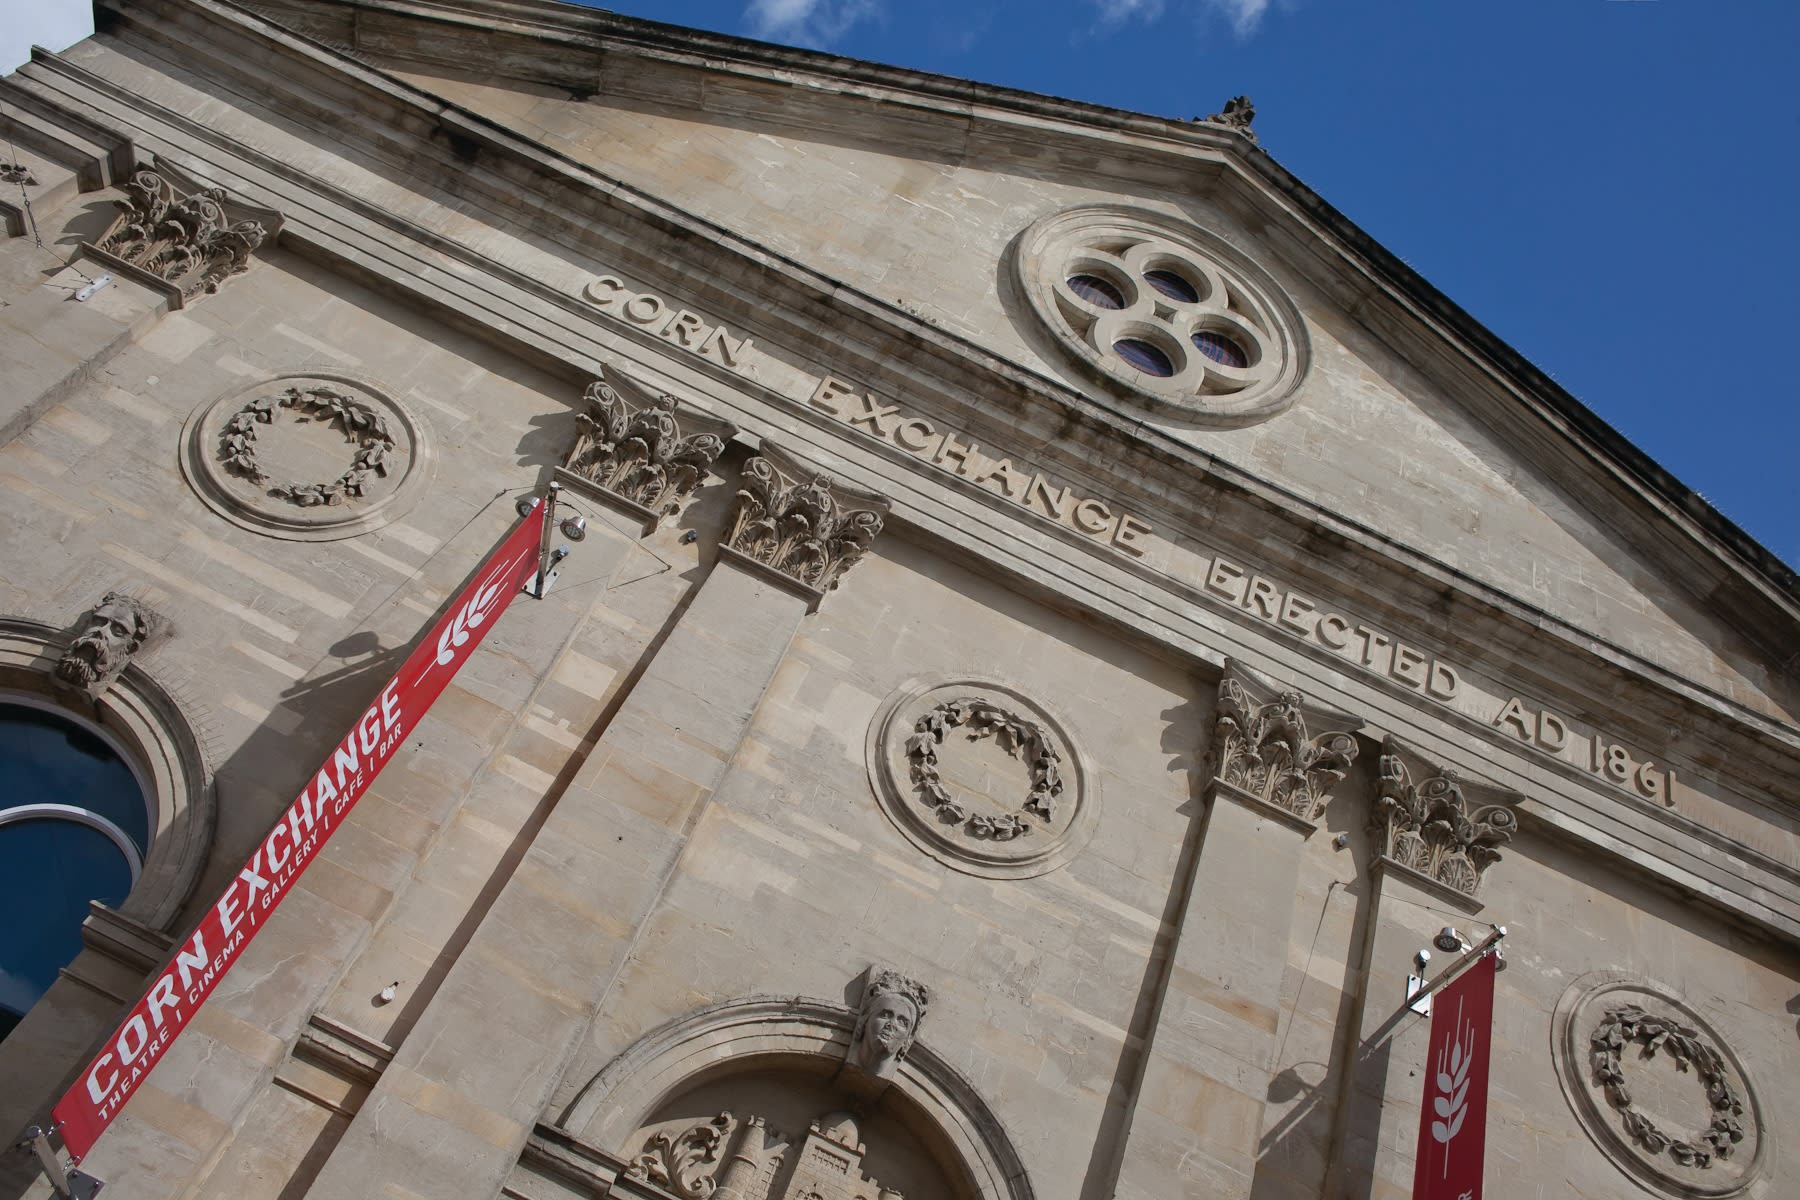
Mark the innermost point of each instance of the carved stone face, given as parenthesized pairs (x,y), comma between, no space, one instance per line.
(106,643)
(887,1032)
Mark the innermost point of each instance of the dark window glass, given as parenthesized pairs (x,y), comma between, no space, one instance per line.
(51,865)
(1173,286)
(49,870)
(1096,291)
(48,759)
(1221,349)
(1144,357)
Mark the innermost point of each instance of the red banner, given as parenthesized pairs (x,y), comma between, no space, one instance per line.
(1453,1127)
(185,982)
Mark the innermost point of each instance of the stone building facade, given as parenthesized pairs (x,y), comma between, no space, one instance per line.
(1062,617)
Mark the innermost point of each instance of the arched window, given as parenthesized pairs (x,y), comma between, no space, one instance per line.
(75,826)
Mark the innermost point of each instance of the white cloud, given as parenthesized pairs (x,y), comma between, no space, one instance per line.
(1117,12)
(1244,15)
(806,22)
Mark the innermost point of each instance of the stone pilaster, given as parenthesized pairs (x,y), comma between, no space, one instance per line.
(451,1113)
(1436,835)
(207,1086)
(1210,1056)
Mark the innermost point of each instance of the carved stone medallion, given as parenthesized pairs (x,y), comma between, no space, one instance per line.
(307,457)
(981,777)
(1656,1087)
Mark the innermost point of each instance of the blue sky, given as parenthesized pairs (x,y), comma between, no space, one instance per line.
(1607,184)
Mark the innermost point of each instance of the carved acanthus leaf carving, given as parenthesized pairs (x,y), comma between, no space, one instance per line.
(1627,1024)
(186,238)
(801,523)
(1430,824)
(1262,744)
(630,443)
(684,1163)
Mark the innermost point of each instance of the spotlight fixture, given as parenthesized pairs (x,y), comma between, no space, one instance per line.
(1421,959)
(523,507)
(1449,941)
(574,528)
(386,995)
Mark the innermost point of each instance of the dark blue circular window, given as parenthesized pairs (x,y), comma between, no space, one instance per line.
(1096,291)
(1221,349)
(1175,287)
(1144,356)
(74,827)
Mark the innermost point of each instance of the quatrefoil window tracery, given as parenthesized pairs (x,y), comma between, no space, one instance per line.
(1151,312)
(1172,313)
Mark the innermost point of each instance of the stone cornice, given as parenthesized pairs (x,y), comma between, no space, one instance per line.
(485,166)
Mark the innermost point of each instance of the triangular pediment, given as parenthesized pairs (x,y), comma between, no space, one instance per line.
(928,209)
(1407,418)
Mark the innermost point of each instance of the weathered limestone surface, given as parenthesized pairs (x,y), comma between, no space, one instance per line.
(648,805)
(480,1064)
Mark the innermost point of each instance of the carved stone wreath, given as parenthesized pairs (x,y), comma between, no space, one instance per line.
(1022,806)
(1657,1089)
(361,424)
(1627,1025)
(1019,736)
(309,457)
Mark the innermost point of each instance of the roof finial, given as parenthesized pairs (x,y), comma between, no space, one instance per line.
(1238,114)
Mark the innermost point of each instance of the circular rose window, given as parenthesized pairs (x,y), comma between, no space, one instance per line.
(1174,314)
(980,777)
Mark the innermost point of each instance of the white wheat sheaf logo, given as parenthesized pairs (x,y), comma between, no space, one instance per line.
(1451,1104)
(473,612)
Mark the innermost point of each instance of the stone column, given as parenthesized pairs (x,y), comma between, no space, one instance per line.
(1210,1056)
(1436,835)
(451,1113)
(172,242)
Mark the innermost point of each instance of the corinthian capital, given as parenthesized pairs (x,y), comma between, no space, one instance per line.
(1432,820)
(1265,744)
(641,448)
(800,522)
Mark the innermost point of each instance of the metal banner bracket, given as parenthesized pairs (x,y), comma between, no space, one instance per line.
(66,1181)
